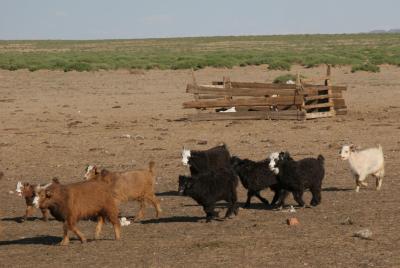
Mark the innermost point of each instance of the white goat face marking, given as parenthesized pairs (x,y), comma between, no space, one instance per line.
(272,166)
(273,157)
(88,170)
(36,201)
(185,156)
(345,152)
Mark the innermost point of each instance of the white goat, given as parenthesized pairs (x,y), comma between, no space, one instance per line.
(363,163)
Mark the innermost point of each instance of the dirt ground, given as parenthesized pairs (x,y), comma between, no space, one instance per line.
(55,123)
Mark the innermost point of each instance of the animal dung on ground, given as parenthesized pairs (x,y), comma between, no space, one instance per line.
(364,234)
(293,221)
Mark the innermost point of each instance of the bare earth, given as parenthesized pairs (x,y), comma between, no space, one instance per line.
(55,123)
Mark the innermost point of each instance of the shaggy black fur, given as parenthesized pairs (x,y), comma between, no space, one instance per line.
(211,159)
(297,176)
(209,187)
(255,177)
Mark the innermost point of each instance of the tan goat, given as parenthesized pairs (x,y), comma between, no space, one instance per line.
(135,185)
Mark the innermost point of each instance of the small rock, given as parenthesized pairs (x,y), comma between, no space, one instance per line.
(126,136)
(139,137)
(11,192)
(116,106)
(347,221)
(202,142)
(293,221)
(364,234)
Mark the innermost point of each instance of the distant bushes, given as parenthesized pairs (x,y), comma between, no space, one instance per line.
(364,52)
(368,67)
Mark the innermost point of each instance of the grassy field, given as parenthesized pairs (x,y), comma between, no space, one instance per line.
(361,51)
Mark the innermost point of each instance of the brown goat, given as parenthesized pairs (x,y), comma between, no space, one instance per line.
(135,185)
(27,191)
(72,202)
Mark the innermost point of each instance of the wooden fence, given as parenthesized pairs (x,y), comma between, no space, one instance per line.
(253,100)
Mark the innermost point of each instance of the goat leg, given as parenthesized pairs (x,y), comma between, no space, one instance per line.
(210,213)
(316,197)
(99,226)
(45,214)
(250,194)
(298,197)
(262,199)
(65,240)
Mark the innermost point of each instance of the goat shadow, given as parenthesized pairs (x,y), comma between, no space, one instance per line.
(336,189)
(174,219)
(258,206)
(37,240)
(21,219)
(168,193)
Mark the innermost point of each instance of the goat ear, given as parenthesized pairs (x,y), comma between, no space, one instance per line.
(352,147)
(55,180)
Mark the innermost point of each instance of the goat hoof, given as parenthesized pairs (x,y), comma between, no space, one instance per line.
(64,243)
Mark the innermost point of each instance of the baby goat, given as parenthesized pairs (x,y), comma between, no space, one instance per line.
(297,176)
(364,163)
(129,185)
(255,177)
(207,188)
(27,191)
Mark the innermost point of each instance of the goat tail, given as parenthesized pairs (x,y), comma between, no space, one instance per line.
(321,158)
(151,166)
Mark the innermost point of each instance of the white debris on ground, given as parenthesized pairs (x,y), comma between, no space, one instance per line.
(290,82)
(291,209)
(11,192)
(126,136)
(124,221)
(364,234)
(230,110)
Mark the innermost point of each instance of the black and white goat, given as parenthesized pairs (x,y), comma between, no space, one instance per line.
(298,176)
(211,159)
(255,177)
(207,188)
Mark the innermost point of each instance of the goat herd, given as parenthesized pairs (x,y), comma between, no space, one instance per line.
(214,177)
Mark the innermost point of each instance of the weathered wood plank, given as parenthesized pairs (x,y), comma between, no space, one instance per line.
(284,115)
(255,92)
(319,115)
(319,105)
(295,100)
(323,87)
(318,97)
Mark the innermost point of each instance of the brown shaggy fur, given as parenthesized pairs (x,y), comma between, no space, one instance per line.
(135,185)
(72,202)
(28,192)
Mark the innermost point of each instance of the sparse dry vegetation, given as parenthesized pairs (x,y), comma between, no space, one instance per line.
(362,51)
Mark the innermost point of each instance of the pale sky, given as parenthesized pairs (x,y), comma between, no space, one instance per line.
(101,19)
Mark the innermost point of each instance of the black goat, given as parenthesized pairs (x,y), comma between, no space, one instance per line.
(202,161)
(297,176)
(207,188)
(255,177)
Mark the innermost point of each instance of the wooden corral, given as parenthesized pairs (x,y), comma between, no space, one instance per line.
(252,100)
